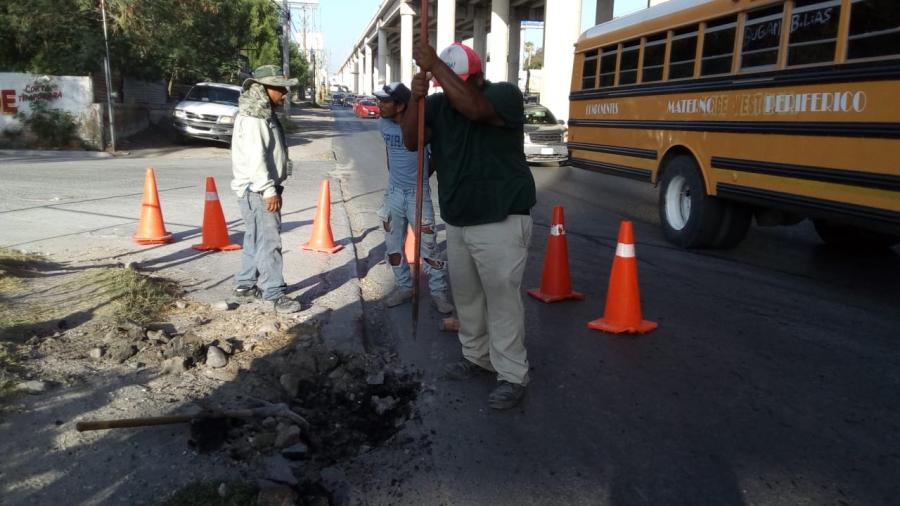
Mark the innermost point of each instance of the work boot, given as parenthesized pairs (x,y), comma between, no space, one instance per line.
(506,395)
(441,303)
(398,296)
(286,305)
(246,292)
(462,370)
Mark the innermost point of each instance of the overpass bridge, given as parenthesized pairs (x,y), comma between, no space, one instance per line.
(383,52)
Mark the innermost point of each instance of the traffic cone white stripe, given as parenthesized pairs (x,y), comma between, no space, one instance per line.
(557,229)
(625,250)
(212,196)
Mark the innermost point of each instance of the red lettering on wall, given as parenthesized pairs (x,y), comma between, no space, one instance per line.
(8,102)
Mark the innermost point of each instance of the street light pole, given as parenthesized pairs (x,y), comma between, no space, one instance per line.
(109,103)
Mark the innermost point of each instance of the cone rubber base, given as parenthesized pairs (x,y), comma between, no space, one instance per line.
(335,249)
(536,293)
(642,328)
(227,247)
(153,240)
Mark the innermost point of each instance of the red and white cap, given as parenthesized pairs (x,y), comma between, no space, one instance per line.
(461,59)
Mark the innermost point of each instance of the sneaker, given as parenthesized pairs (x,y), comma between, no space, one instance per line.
(398,296)
(463,370)
(285,305)
(441,303)
(246,292)
(506,395)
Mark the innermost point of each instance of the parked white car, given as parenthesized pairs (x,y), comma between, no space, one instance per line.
(545,137)
(207,112)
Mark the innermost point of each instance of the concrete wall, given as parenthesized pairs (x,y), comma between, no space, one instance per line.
(73,94)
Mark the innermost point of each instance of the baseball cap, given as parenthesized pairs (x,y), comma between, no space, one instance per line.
(461,59)
(395,91)
(271,75)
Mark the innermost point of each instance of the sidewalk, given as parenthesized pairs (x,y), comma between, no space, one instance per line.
(83,208)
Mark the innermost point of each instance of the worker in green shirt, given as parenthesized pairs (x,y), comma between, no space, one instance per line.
(486,193)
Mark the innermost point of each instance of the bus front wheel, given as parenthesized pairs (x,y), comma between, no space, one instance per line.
(690,217)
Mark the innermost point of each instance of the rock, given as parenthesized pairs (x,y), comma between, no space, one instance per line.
(121,352)
(290,384)
(180,304)
(174,365)
(33,387)
(215,358)
(296,452)
(224,305)
(273,494)
(335,481)
(278,469)
(225,346)
(269,422)
(188,346)
(383,404)
(269,328)
(95,353)
(112,335)
(159,336)
(376,378)
(222,490)
(135,331)
(287,436)
(262,440)
(227,373)
(200,320)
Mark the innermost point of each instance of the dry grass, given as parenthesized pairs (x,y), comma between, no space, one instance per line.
(132,295)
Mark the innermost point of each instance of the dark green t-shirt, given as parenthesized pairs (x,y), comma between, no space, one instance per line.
(481,169)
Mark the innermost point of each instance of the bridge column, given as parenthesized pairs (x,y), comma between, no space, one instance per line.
(498,66)
(367,76)
(446,24)
(479,34)
(406,43)
(562,26)
(604,11)
(382,55)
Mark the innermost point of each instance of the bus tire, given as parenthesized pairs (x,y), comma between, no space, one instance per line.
(848,236)
(690,218)
(736,219)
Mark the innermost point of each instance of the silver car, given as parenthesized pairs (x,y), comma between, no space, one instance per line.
(545,137)
(207,112)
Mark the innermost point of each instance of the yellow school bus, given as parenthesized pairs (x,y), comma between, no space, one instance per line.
(775,109)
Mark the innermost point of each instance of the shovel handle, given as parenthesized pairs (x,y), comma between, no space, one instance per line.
(132,422)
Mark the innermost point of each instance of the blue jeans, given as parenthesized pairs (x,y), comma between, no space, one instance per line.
(398,211)
(261,257)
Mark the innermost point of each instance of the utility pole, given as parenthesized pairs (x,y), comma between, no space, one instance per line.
(286,55)
(109,103)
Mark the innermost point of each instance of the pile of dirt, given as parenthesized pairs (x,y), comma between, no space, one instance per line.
(304,408)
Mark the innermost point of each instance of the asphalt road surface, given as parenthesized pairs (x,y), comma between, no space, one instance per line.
(772,379)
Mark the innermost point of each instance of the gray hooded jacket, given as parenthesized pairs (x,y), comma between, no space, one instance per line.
(259,157)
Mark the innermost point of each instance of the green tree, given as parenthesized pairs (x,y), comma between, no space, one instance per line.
(536,61)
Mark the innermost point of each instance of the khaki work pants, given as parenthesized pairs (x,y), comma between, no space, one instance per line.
(486,263)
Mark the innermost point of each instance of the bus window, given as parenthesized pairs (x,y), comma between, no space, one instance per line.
(654,58)
(874,29)
(628,67)
(684,51)
(762,34)
(814,25)
(589,70)
(718,46)
(608,66)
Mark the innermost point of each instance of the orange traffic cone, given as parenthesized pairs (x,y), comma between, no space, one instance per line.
(215,233)
(623,300)
(151,229)
(322,240)
(409,247)
(556,282)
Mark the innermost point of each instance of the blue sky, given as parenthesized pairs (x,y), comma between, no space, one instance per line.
(342,22)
